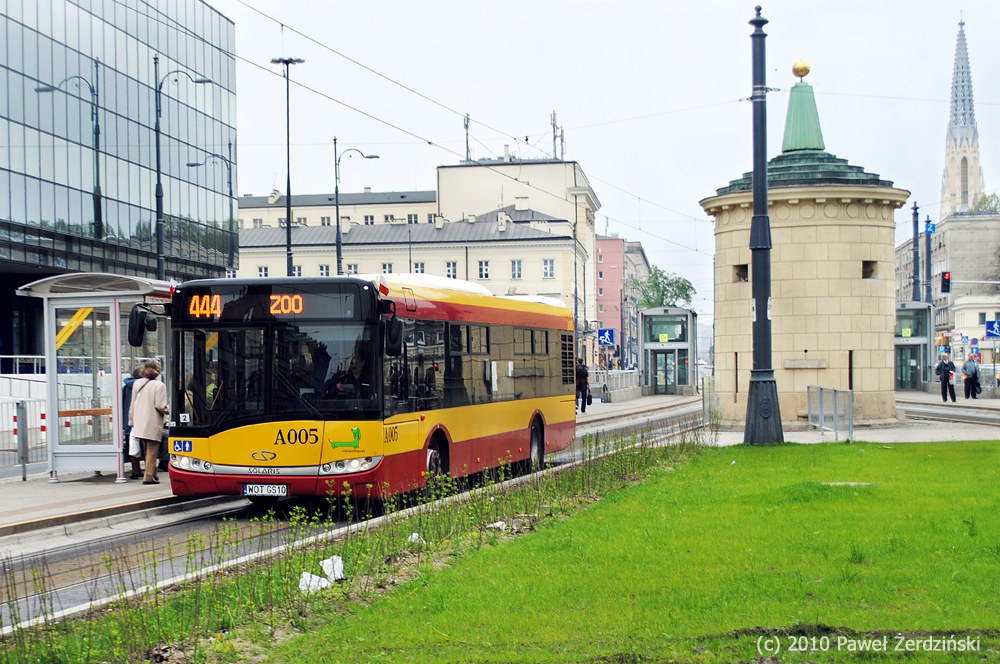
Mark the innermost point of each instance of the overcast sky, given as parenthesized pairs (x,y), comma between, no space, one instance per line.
(648,94)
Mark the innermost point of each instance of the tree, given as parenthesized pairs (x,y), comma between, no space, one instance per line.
(987,203)
(663,289)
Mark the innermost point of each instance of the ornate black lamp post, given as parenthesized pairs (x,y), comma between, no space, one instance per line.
(336,197)
(763,424)
(228,162)
(288,157)
(94,106)
(161,260)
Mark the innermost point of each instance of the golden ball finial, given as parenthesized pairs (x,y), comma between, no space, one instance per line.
(800,68)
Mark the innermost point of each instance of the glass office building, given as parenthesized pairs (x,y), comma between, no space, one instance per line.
(76,199)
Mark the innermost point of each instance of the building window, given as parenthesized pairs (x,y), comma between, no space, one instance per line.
(389,218)
(324,270)
(600,308)
(515,269)
(996,315)
(352,268)
(325,221)
(262,271)
(431,217)
(230,274)
(549,268)
(369,220)
(484,269)
(600,291)
(982,318)
(281,222)
(741,273)
(451,270)
(413,218)
(418,268)
(296,270)
(301,221)
(868,269)
(600,258)
(258,223)
(600,275)
(386,268)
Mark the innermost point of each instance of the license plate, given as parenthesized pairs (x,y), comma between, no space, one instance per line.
(265,490)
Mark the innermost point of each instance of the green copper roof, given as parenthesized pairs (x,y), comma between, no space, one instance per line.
(802,131)
(808,168)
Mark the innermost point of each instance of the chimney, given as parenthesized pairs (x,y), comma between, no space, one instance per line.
(506,153)
(502,219)
(273,198)
(472,218)
(345,226)
(520,202)
(438,222)
(368,190)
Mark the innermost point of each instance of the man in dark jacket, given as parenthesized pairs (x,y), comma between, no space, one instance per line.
(127,429)
(582,383)
(944,371)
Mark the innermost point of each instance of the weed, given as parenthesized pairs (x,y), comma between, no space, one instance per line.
(857,556)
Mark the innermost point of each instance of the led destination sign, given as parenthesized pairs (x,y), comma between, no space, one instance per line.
(265,303)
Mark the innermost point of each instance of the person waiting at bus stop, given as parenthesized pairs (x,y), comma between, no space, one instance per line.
(145,415)
(970,372)
(582,383)
(945,370)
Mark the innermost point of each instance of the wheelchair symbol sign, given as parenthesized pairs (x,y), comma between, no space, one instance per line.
(183,446)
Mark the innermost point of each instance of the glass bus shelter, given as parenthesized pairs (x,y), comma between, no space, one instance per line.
(87,357)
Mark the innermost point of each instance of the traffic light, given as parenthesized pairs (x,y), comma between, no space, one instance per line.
(946,282)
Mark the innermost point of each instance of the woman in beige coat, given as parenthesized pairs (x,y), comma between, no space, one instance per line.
(145,415)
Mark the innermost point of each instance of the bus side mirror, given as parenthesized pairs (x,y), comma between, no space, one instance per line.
(394,337)
(139,322)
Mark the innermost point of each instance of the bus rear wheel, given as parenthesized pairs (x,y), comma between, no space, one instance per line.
(536,460)
(437,464)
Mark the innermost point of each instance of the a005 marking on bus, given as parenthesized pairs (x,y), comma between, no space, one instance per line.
(391,434)
(297,436)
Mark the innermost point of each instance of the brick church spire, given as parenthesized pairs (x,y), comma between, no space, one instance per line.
(962,183)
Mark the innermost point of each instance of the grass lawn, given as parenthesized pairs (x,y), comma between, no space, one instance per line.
(739,538)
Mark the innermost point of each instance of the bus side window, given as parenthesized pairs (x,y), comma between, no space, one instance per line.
(456,363)
(427,364)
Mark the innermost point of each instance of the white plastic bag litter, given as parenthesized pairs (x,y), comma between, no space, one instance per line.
(415,538)
(333,568)
(499,525)
(310,583)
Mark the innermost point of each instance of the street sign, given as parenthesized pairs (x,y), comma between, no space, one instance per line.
(965,339)
(605,337)
(975,342)
(942,349)
(931,227)
(993,329)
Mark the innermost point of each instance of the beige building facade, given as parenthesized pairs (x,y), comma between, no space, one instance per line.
(832,269)
(505,258)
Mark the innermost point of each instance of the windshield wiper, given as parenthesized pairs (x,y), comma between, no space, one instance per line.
(313,410)
(237,401)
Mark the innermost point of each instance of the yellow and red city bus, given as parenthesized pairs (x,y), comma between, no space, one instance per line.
(299,386)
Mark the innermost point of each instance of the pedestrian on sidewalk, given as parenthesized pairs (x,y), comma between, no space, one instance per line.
(582,383)
(149,405)
(945,370)
(127,429)
(970,371)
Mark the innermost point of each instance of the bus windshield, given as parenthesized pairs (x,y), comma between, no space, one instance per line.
(232,375)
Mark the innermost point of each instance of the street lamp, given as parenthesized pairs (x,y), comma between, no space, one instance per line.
(229,171)
(161,261)
(288,156)
(94,105)
(336,197)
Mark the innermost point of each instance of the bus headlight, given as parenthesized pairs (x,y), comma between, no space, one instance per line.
(349,465)
(190,464)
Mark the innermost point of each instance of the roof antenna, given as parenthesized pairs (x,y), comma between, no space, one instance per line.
(467,157)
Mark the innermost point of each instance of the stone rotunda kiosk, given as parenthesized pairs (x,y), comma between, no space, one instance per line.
(833,305)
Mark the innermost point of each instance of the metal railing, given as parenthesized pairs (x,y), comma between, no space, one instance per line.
(23,435)
(613,379)
(22,364)
(832,410)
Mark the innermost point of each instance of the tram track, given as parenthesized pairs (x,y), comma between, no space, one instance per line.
(77,575)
